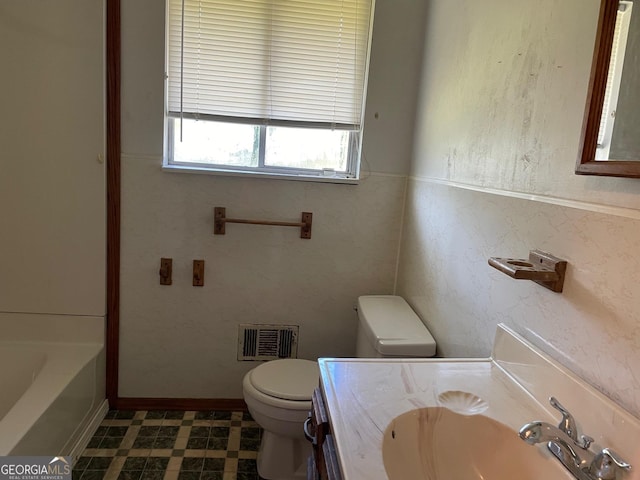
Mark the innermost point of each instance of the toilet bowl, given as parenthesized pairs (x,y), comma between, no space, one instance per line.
(278,396)
(278,392)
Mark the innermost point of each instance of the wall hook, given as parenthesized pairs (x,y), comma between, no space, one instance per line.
(165,271)
(541,267)
(198,273)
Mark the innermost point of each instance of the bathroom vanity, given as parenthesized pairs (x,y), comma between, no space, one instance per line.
(455,418)
(323,463)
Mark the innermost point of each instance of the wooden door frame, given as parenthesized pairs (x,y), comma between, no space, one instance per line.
(113,198)
(113,57)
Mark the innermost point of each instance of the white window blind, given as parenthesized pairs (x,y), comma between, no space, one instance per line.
(273,62)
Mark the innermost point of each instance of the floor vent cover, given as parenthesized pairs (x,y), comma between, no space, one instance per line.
(267,342)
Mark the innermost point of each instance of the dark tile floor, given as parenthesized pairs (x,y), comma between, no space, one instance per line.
(172,445)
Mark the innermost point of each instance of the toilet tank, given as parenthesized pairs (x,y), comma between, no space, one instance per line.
(388,327)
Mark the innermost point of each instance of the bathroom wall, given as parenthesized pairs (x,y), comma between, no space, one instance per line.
(52,206)
(52,185)
(180,340)
(499,118)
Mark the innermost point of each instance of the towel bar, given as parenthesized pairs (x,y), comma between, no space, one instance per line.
(220,220)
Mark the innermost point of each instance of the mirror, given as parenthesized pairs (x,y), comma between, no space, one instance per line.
(611,128)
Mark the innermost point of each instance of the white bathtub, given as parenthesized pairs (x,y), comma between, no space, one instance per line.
(52,376)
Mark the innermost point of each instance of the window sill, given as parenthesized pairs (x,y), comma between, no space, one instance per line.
(273,176)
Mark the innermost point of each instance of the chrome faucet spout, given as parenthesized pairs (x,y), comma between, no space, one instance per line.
(560,444)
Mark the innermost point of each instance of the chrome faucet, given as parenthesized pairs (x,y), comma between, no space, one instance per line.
(574,454)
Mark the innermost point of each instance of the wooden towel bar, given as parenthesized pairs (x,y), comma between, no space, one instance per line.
(220,220)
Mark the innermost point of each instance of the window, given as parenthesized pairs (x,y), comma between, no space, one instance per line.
(267,86)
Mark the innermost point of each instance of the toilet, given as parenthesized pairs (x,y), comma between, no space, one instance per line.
(278,392)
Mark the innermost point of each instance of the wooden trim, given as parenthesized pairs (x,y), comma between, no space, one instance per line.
(113,51)
(597,85)
(224,404)
(586,163)
(113,197)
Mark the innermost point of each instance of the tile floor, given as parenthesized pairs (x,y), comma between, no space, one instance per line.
(172,445)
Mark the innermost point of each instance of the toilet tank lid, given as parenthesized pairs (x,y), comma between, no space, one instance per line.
(289,379)
(393,327)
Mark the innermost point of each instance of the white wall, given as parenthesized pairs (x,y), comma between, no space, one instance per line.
(52,186)
(180,340)
(500,113)
(53,200)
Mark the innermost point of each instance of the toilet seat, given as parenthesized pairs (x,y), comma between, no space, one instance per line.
(286,379)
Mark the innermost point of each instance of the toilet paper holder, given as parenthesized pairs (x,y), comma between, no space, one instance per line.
(541,267)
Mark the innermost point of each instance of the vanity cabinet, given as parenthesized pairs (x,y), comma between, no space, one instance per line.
(323,463)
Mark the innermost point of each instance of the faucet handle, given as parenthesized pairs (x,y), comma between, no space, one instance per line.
(606,463)
(568,423)
(586,441)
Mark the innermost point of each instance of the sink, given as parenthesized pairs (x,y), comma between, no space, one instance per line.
(436,443)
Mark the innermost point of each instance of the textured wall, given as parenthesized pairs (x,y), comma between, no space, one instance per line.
(180,341)
(592,326)
(502,98)
(52,186)
(500,113)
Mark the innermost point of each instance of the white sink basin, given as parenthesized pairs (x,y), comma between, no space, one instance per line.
(437,444)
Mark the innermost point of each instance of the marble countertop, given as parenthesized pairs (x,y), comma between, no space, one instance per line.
(364,395)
